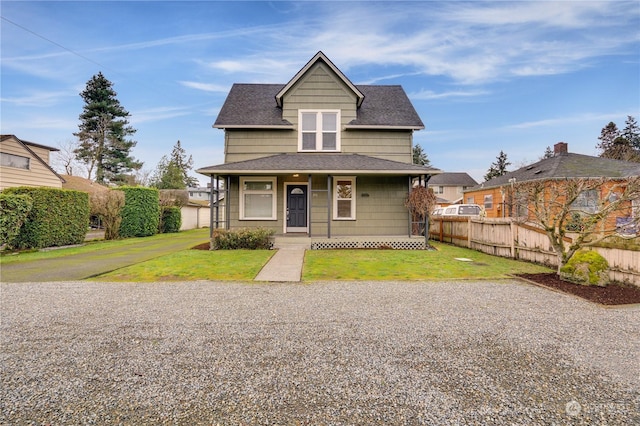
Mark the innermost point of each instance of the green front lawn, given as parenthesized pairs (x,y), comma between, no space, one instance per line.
(193,265)
(410,265)
(321,265)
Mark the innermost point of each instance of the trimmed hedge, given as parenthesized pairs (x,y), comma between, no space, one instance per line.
(58,217)
(247,239)
(141,212)
(171,220)
(14,210)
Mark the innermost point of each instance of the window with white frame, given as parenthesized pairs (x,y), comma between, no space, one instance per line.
(258,198)
(344,202)
(319,130)
(488,202)
(17,161)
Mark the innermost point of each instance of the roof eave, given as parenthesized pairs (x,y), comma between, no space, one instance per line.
(380,127)
(209,172)
(255,126)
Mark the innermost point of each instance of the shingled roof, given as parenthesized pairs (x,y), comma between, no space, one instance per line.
(568,165)
(453,179)
(318,163)
(259,105)
(254,106)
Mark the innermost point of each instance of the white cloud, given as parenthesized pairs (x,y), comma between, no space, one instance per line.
(207,87)
(431,95)
(156,114)
(569,120)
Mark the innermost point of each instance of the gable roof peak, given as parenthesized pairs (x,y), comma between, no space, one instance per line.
(319,57)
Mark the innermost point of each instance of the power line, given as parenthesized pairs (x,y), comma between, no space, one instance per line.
(55,43)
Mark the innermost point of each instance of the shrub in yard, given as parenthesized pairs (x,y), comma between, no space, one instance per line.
(587,268)
(141,212)
(14,210)
(171,219)
(58,217)
(248,239)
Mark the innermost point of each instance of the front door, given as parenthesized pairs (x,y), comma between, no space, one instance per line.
(296,208)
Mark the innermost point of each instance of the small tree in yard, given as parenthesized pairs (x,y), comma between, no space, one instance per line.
(420,203)
(556,205)
(108,206)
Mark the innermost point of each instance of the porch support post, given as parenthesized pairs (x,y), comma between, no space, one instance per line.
(309,192)
(409,211)
(329,205)
(227,202)
(212,204)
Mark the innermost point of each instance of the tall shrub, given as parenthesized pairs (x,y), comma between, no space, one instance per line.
(58,217)
(14,210)
(141,212)
(171,219)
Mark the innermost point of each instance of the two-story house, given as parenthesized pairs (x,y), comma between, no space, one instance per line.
(318,155)
(450,186)
(24,163)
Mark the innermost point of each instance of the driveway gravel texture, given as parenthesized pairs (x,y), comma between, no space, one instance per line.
(328,353)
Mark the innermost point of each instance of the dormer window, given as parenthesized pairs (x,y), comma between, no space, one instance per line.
(319,130)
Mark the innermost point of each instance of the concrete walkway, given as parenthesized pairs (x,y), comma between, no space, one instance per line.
(286,264)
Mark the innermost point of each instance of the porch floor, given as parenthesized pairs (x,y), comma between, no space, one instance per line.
(356,242)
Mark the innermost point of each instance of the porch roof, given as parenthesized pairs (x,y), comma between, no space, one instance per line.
(320,163)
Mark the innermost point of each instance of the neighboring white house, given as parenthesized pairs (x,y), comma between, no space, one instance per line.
(200,193)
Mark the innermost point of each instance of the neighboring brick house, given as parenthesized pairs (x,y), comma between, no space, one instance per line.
(318,155)
(494,194)
(24,163)
(449,187)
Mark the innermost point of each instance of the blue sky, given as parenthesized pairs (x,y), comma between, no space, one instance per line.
(483,76)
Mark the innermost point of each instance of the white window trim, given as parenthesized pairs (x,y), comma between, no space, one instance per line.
(353,197)
(273,192)
(319,113)
(488,201)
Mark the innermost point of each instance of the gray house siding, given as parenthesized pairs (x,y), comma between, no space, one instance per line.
(379,207)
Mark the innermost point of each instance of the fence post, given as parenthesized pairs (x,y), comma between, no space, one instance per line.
(513,240)
(469,232)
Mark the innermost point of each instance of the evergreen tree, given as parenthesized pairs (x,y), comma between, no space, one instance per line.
(631,132)
(498,168)
(608,134)
(548,153)
(103,132)
(173,172)
(420,157)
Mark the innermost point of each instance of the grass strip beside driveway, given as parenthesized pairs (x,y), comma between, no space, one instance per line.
(77,263)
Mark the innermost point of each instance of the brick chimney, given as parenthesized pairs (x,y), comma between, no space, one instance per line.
(560,148)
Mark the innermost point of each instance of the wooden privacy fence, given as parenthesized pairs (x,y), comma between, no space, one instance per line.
(507,238)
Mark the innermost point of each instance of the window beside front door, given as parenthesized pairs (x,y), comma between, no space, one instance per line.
(319,131)
(344,202)
(258,198)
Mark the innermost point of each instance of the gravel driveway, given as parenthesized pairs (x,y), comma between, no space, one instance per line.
(323,353)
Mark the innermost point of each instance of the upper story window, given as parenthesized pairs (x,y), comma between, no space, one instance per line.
(17,161)
(319,130)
